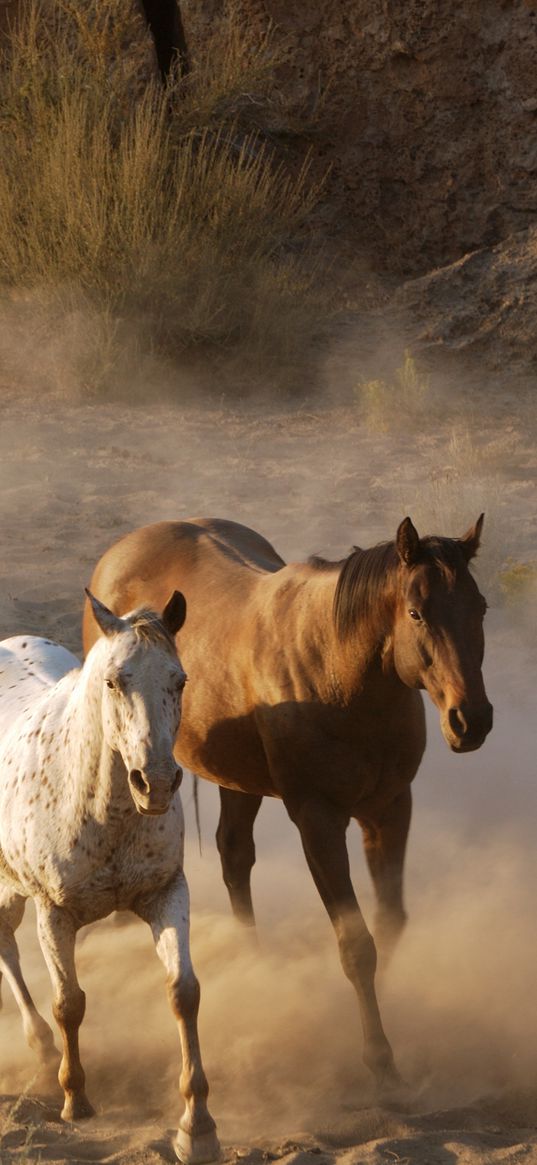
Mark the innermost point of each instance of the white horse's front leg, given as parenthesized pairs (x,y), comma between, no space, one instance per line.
(57,935)
(37,1031)
(168,916)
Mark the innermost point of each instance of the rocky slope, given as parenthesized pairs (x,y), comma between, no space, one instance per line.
(427,115)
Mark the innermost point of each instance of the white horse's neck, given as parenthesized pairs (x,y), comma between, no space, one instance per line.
(99,776)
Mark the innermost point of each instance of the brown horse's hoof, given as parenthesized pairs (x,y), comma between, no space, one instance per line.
(394,1092)
(77,1108)
(196,1150)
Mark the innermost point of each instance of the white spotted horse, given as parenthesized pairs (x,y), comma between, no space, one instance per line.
(91,821)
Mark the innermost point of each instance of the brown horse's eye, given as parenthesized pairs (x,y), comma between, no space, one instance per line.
(415,615)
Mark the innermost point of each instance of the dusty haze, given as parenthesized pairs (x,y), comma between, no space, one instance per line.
(280,1028)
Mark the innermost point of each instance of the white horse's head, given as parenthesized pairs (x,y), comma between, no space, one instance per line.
(143,683)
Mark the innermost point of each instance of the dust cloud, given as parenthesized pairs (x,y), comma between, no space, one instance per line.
(279,1023)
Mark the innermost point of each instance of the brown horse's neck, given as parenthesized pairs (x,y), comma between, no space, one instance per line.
(357,599)
(364,660)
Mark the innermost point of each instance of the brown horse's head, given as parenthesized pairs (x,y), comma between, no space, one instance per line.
(438,641)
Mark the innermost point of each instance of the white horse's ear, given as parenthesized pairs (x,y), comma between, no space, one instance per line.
(109,623)
(469,543)
(407,542)
(174,613)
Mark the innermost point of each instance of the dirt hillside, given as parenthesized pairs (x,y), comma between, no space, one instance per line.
(426,114)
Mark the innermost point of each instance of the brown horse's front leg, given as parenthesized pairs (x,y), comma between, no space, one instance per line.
(385,841)
(235,841)
(57,935)
(168,915)
(322,829)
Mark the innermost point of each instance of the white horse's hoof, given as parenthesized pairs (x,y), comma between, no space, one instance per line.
(196,1150)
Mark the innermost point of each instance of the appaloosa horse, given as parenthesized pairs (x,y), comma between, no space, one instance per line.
(91,821)
(305,686)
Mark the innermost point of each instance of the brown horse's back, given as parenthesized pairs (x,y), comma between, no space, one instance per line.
(147,565)
(260,650)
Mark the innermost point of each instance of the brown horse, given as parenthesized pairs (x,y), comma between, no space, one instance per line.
(304,686)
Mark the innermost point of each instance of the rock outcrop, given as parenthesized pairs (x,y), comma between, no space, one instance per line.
(426,111)
(483,305)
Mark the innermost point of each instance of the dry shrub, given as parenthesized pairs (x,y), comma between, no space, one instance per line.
(518,582)
(153,204)
(395,403)
(469,480)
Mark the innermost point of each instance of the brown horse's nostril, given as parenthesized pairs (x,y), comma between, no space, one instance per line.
(471,726)
(139,782)
(177,780)
(457,722)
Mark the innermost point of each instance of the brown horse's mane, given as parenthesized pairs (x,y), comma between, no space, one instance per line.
(367,580)
(148,628)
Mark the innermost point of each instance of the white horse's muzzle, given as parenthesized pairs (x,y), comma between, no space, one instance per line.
(152,792)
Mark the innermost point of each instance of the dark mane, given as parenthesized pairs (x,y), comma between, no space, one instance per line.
(366,583)
(445,554)
(321,564)
(148,628)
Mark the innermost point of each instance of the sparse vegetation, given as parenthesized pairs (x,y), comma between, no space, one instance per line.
(469,481)
(400,401)
(161,208)
(518,581)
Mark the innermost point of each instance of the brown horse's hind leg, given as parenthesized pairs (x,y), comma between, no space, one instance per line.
(235,841)
(322,829)
(385,844)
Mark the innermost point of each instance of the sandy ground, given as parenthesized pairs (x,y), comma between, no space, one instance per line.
(279,1026)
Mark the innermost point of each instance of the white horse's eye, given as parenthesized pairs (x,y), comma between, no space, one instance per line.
(110,683)
(415,615)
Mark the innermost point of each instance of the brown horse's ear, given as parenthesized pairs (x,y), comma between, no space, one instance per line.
(109,623)
(469,543)
(174,613)
(407,542)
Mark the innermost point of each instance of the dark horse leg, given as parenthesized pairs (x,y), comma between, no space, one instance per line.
(385,844)
(164,20)
(235,841)
(322,829)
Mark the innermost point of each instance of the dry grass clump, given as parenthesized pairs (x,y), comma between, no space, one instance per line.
(518,582)
(470,479)
(155,205)
(398,402)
